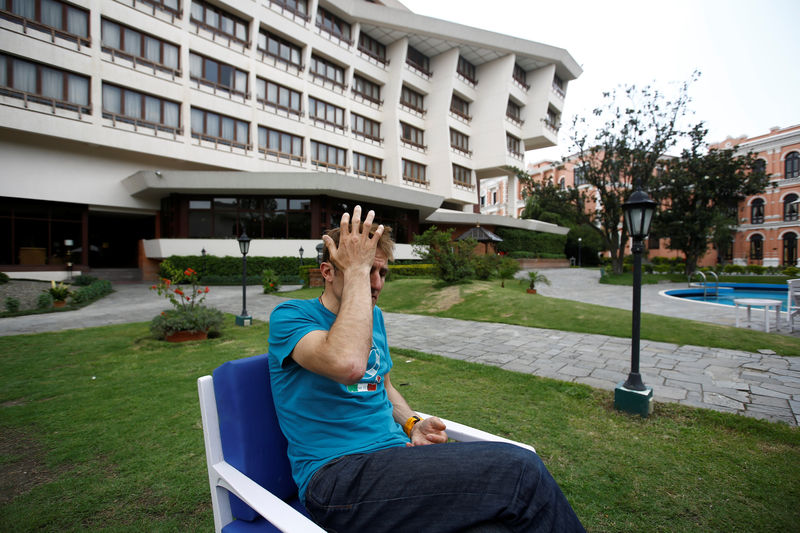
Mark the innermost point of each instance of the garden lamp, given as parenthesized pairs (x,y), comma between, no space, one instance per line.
(244,246)
(633,396)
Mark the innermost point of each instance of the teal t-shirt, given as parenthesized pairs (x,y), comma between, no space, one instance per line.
(323,419)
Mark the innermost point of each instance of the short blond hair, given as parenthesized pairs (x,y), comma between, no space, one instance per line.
(385,243)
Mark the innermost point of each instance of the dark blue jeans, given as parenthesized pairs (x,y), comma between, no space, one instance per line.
(439,488)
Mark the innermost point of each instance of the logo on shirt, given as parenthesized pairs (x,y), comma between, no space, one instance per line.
(371,377)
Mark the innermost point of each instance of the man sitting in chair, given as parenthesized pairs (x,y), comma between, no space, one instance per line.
(362,459)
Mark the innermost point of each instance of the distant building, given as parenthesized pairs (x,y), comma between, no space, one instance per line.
(768,229)
(136,129)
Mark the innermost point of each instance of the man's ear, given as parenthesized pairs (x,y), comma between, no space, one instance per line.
(327,271)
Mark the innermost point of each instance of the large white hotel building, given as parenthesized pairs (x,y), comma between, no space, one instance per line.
(133,129)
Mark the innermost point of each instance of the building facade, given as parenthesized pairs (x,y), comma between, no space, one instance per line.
(180,124)
(767,229)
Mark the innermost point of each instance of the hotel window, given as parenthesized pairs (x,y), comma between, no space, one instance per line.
(418,60)
(365,127)
(412,99)
(790,207)
(520,76)
(514,145)
(372,47)
(297,7)
(327,155)
(220,129)
(334,25)
(47,85)
(553,119)
(792,166)
(323,68)
(278,96)
(759,165)
(414,172)
(280,143)
(514,111)
(217,74)
(133,107)
(757,211)
(467,70)
(325,112)
(365,165)
(757,247)
(367,89)
(558,86)
(413,136)
(139,46)
(462,176)
(459,141)
(460,107)
(219,21)
(579,174)
(264,217)
(68,21)
(280,49)
(790,249)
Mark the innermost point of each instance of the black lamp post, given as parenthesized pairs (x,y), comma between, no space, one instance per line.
(244,246)
(633,396)
(203,253)
(301,255)
(320,248)
(579,250)
(68,243)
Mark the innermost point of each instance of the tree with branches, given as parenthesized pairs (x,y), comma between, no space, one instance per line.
(638,127)
(699,193)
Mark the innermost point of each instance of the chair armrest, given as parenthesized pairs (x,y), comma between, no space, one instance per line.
(266,504)
(464,433)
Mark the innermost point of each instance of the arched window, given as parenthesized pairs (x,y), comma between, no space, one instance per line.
(790,249)
(757,211)
(790,207)
(792,166)
(759,165)
(562,183)
(757,247)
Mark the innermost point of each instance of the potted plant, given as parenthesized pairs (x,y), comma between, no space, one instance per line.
(536,277)
(188,319)
(270,281)
(60,293)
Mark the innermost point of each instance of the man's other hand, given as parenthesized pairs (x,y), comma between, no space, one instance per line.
(428,431)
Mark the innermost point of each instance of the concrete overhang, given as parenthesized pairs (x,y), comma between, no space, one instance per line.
(432,36)
(155,185)
(447,216)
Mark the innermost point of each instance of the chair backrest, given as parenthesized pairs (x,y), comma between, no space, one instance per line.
(252,441)
(794,292)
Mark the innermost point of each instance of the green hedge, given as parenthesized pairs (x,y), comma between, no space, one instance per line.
(90,293)
(422,270)
(520,240)
(226,267)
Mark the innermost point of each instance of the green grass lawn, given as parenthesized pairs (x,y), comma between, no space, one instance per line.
(488,301)
(100,430)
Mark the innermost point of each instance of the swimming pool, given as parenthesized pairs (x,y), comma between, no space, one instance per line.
(729,291)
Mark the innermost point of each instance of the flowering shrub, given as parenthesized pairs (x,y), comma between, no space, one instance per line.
(188,313)
(270,281)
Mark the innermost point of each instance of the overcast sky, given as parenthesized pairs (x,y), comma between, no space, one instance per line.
(748,52)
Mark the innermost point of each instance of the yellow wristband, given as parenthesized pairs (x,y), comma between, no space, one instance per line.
(409,425)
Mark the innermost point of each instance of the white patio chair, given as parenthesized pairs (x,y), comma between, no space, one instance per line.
(251,484)
(792,301)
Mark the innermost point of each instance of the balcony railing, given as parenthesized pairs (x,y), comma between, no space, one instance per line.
(44,28)
(137,61)
(139,123)
(53,103)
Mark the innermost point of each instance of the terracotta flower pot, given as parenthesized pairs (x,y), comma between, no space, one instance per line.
(59,303)
(183,336)
(531,291)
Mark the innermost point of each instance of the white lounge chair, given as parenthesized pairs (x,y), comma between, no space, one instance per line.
(248,470)
(792,301)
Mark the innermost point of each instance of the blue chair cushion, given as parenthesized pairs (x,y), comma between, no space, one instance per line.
(252,441)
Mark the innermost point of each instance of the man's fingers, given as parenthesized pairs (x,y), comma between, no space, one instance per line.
(356,218)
